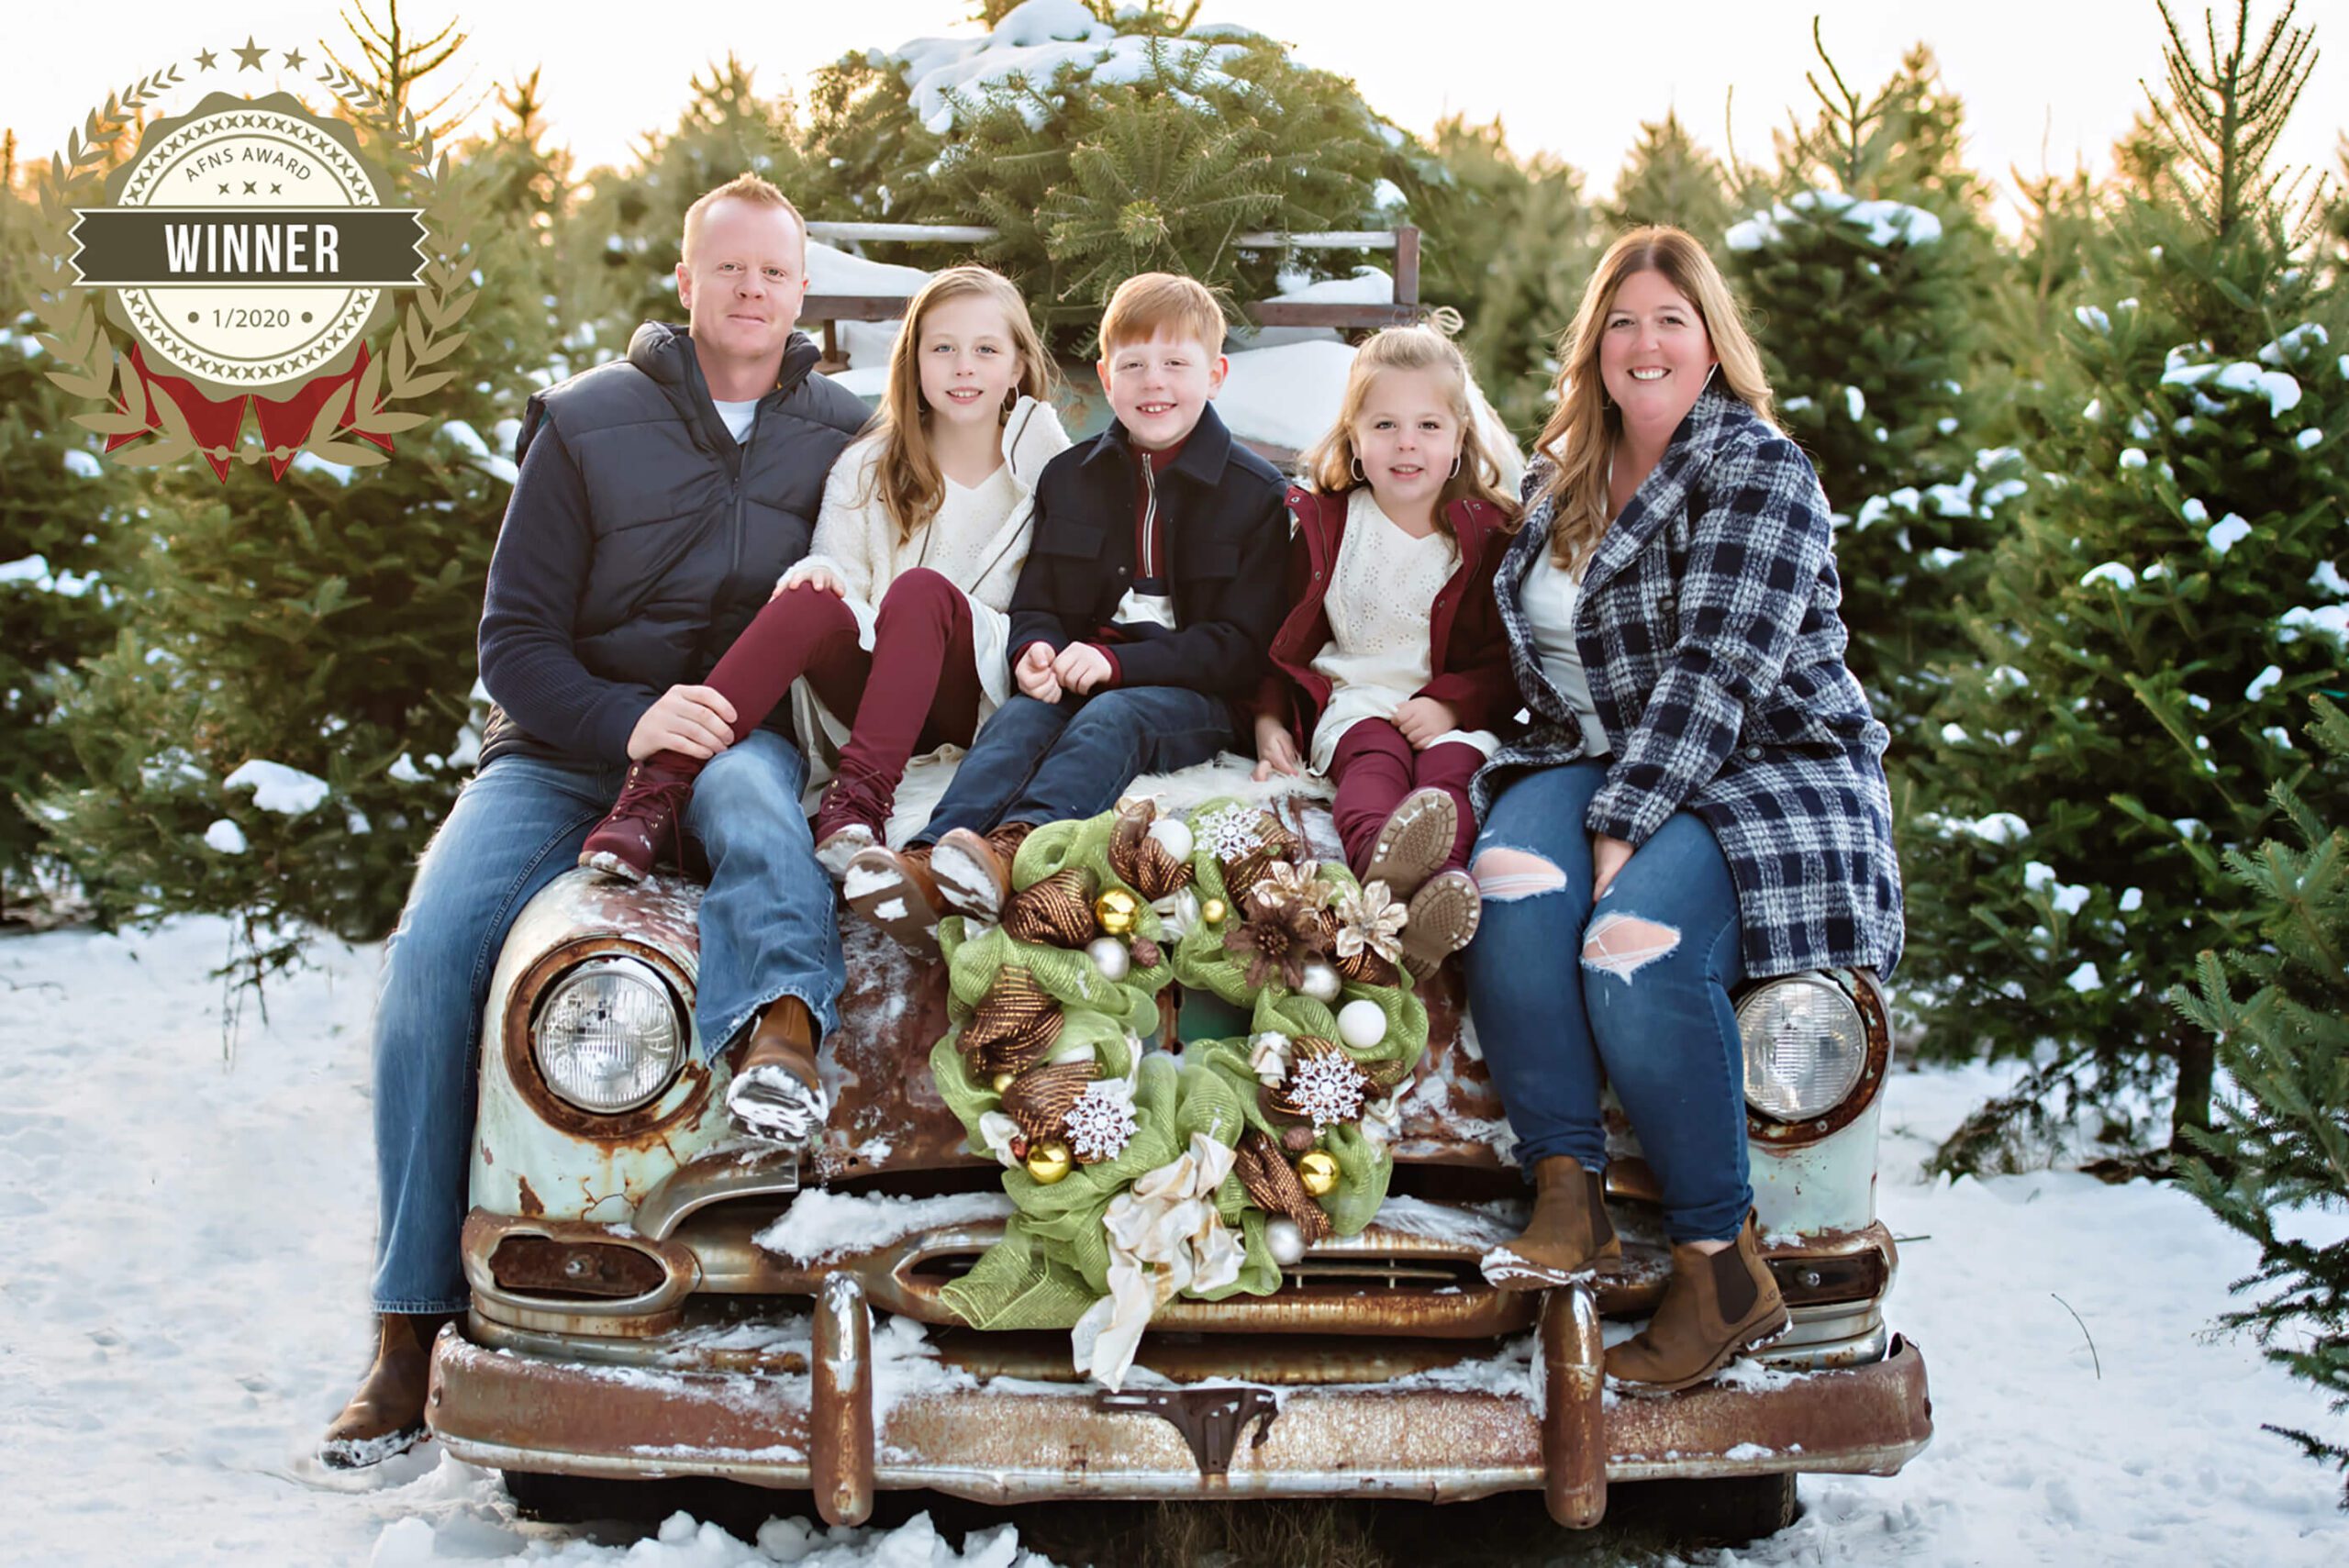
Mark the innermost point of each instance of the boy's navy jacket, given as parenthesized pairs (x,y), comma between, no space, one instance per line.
(1468,651)
(1227,533)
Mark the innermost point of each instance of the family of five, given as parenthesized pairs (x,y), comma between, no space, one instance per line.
(1600,734)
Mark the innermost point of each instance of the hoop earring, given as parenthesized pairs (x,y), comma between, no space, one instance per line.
(1359,477)
(1455,467)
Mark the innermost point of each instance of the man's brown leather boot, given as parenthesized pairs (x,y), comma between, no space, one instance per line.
(1718,1305)
(385,1416)
(1569,1237)
(778,1091)
(975,873)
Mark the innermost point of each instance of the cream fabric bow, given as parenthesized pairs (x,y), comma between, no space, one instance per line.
(1166,1237)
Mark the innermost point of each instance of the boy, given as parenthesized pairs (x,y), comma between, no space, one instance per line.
(1153,588)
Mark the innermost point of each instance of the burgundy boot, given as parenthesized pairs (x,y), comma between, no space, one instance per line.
(628,841)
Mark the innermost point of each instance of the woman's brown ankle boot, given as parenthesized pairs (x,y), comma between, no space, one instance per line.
(1569,1237)
(1717,1306)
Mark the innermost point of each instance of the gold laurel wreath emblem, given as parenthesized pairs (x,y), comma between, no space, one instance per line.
(88,365)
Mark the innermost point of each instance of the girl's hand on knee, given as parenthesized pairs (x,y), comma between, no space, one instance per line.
(1276,749)
(1607,856)
(1032,673)
(817,577)
(1421,719)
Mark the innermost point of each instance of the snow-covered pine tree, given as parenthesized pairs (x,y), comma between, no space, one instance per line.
(2279,1142)
(1867,284)
(1103,145)
(2147,633)
(287,716)
(60,506)
(1668,178)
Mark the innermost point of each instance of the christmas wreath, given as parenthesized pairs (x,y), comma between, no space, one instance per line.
(1138,1173)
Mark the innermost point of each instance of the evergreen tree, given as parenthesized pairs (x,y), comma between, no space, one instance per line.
(1669,179)
(2280,1139)
(312,640)
(2165,603)
(1510,245)
(1868,279)
(59,510)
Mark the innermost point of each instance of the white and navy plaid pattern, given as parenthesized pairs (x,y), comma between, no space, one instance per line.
(1708,627)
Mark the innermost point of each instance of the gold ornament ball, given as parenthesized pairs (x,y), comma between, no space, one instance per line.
(1048,1162)
(1213,911)
(1117,910)
(1317,1168)
(1003,1081)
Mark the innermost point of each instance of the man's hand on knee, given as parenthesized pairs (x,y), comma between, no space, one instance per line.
(696,720)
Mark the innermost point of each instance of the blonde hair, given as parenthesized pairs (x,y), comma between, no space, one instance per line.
(744,187)
(1328,464)
(905,475)
(1580,435)
(1151,303)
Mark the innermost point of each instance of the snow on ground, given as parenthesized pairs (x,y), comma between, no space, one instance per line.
(183,1310)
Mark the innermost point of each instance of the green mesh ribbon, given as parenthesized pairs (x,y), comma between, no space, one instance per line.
(1053,1260)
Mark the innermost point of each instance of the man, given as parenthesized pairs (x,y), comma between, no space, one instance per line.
(659,497)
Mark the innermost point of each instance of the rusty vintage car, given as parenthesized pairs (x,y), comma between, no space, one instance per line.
(638,1312)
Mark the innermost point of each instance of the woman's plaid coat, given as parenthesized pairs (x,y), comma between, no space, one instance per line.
(1708,627)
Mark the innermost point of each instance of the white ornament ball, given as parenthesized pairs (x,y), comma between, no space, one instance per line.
(1362,1023)
(1173,835)
(1284,1240)
(1111,956)
(1321,982)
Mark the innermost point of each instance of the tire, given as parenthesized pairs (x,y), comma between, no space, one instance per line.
(1730,1511)
(582,1499)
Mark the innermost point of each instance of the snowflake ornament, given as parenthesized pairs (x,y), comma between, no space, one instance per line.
(1102,1122)
(1229,833)
(1328,1087)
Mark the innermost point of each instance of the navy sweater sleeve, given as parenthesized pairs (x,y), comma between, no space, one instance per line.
(530,659)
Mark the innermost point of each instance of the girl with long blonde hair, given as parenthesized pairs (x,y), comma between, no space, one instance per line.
(1391,671)
(1699,803)
(896,619)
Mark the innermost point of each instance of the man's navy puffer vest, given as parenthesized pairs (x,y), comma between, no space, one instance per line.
(691,528)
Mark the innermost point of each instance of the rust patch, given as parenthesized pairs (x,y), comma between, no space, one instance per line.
(1210,1420)
(532,1206)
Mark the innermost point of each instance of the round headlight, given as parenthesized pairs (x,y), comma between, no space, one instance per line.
(607,1037)
(1805,1046)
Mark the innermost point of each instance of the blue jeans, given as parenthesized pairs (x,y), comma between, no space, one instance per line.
(1041,761)
(767,930)
(1635,990)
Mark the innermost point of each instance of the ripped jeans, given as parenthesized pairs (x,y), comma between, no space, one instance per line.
(1634,992)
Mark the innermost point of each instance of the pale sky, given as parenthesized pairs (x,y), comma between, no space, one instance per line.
(1568,76)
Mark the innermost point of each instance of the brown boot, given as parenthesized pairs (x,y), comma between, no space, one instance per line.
(974,873)
(1718,1305)
(778,1093)
(1569,1237)
(895,890)
(644,818)
(1444,913)
(1414,842)
(386,1416)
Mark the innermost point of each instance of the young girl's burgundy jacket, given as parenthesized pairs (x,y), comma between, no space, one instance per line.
(1468,651)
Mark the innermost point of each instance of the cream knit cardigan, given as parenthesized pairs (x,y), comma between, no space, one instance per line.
(856,540)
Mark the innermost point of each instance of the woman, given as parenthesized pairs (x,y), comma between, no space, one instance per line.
(1699,803)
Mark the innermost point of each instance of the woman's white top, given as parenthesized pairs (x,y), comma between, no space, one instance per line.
(1380,603)
(1548,595)
(978,540)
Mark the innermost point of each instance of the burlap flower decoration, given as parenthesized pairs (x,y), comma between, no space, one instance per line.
(1300,881)
(1277,939)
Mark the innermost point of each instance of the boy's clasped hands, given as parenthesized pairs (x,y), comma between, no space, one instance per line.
(1044,675)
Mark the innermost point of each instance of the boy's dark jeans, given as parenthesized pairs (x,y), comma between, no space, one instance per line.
(1037,762)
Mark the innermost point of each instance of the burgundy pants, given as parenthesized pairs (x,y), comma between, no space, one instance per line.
(918,683)
(1375,768)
